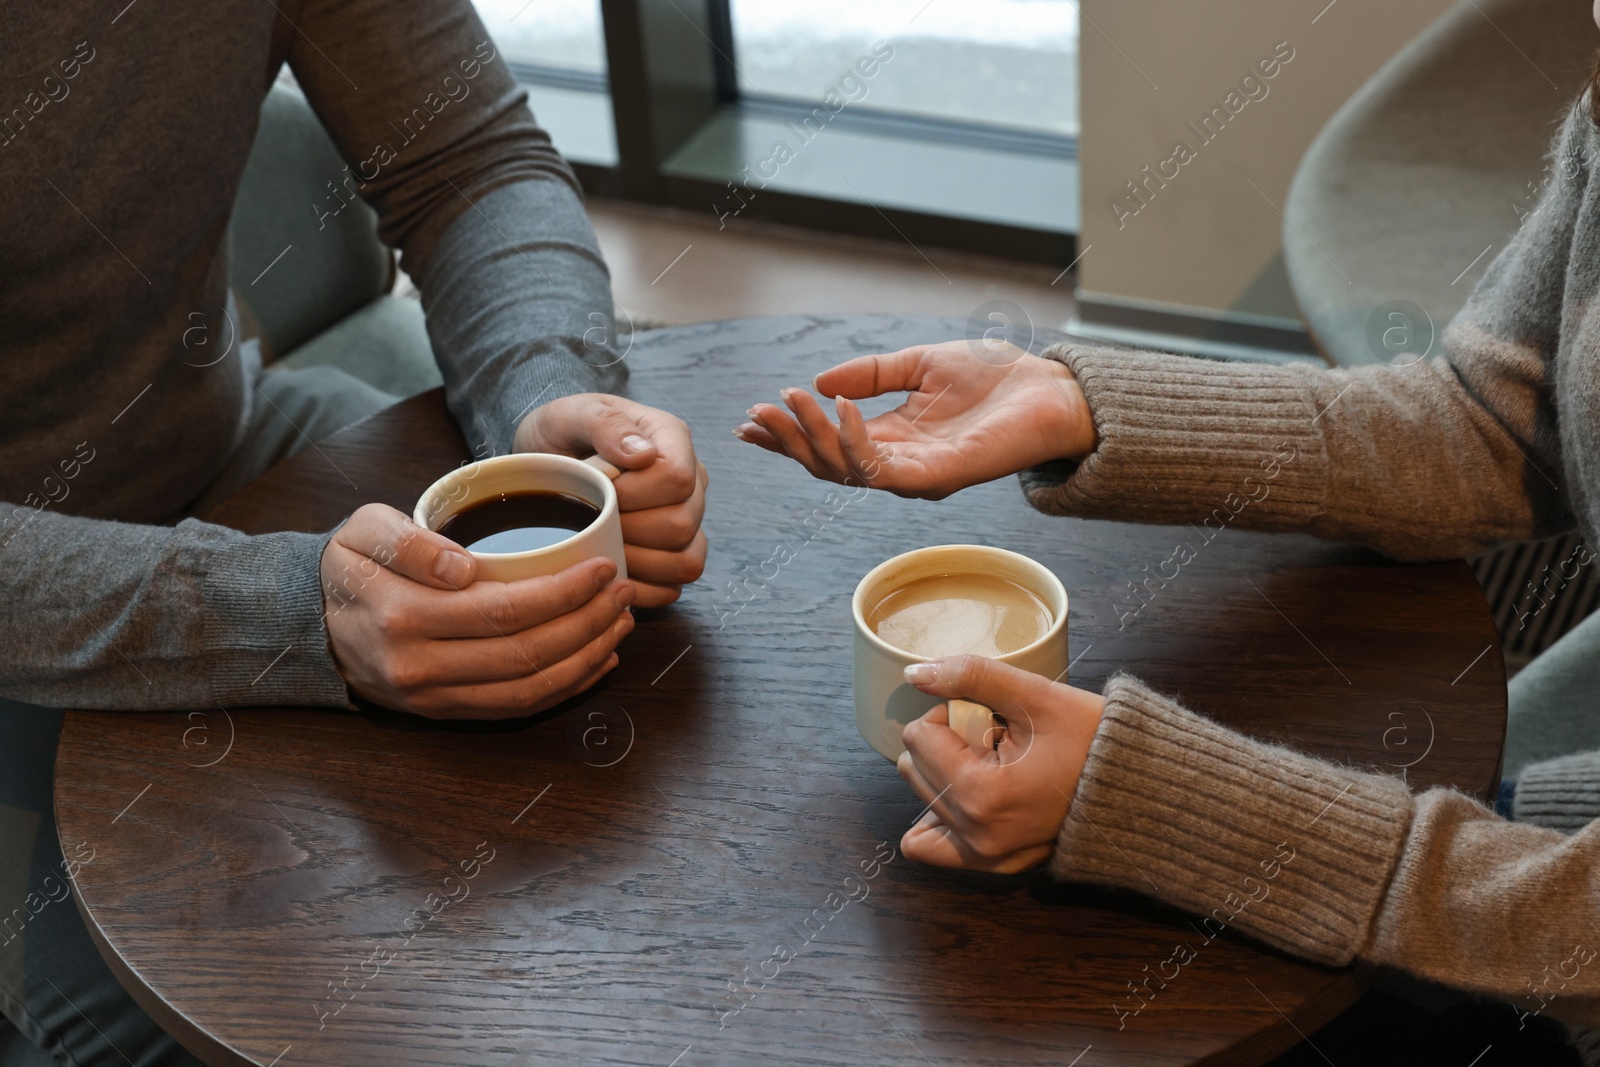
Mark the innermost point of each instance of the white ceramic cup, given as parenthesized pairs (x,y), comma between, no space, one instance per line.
(885,701)
(521,472)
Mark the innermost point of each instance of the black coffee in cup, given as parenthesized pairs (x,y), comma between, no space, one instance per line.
(519,522)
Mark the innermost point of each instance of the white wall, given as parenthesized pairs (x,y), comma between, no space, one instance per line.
(1208,242)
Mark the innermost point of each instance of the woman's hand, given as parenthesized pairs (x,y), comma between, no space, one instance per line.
(1000,809)
(410,629)
(661,491)
(975,413)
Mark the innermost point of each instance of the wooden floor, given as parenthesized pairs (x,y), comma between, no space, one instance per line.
(673,266)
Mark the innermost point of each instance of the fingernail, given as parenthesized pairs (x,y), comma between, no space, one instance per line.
(633,444)
(627,595)
(604,573)
(788,395)
(740,431)
(453,568)
(838,405)
(751,412)
(922,674)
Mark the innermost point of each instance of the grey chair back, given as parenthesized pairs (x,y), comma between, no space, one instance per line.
(1402,200)
(297,221)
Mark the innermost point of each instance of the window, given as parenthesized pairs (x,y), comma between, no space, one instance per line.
(557,49)
(555,34)
(965,136)
(1010,63)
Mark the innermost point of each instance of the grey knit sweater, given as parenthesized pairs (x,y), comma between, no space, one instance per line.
(1499,438)
(123,135)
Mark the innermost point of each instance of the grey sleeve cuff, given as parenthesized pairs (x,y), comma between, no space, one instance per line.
(1278,845)
(1562,794)
(266,639)
(1184,439)
(519,309)
(112,615)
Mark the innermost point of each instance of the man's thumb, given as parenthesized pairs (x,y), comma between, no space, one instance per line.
(617,438)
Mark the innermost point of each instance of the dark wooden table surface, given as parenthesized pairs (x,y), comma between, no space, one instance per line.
(696,864)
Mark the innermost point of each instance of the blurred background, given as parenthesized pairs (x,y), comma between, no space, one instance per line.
(974,118)
(979,162)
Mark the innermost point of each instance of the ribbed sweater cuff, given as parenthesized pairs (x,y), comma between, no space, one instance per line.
(265,637)
(1184,439)
(1280,846)
(1563,794)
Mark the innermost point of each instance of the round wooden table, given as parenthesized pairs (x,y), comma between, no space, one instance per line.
(697,863)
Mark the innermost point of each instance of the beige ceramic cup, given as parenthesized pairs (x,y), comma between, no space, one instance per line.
(885,701)
(521,472)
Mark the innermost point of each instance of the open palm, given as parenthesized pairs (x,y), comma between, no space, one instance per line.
(972,415)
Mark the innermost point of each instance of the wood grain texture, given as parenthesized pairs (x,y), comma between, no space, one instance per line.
(656,841)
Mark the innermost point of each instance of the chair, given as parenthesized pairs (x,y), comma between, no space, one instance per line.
(1405,196)
(327,299)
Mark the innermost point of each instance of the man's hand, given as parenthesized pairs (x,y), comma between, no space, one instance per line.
(971,417)
(662,491)
(411,630)
(999,809)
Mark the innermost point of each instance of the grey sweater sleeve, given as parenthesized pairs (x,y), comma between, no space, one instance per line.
(1562,793)
(491,225)
(1437,459)
(192,616)
(486,213)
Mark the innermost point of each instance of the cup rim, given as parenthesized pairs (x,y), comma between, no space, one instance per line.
(1027,562)
(537,460)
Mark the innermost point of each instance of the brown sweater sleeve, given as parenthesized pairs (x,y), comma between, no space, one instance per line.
(1409,460)
(1332,863)
(1435,459)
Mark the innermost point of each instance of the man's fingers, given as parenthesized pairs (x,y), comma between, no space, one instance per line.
(867,376)
(673,477)
(673,528)
(495,609)
(391,540)
(663,567)
(652,595)
(525,695)
(477,660)
(621,437)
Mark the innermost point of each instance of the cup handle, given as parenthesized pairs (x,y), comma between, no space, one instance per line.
(599,464)
(976,724)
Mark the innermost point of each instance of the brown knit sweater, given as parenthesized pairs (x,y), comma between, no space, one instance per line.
(1497,438)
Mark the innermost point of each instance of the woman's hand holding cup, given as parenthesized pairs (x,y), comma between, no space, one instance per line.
(977,411)
(995,808)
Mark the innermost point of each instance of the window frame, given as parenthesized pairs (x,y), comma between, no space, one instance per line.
(672,78)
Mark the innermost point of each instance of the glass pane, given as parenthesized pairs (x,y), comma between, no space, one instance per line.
(1000,62)
(547,33)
